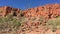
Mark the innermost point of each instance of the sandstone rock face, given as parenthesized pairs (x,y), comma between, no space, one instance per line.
(34,27)
(6,10)
(46,11)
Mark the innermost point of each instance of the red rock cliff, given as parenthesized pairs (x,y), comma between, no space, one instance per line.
(6,10)
(46,11)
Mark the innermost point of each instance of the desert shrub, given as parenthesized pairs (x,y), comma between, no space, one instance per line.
(11,22)
(41,19)
(53,23)
(33,18)
(1,11)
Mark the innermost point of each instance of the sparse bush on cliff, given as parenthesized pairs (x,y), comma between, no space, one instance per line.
(1,11)
(53,23)
(11,22)
(41,19)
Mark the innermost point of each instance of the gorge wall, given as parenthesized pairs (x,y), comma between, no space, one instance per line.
(46,11)
(5,10)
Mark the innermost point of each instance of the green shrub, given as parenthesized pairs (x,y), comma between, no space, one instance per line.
(1,11)
(11,22)
(53,23)
(41,19)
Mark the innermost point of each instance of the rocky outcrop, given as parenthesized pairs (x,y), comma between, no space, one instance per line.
(46,11)
(31,26)
(6,10)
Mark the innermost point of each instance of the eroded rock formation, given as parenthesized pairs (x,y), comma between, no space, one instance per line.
(46,11)
(6,10)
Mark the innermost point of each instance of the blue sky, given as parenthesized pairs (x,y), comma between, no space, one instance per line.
(24,4)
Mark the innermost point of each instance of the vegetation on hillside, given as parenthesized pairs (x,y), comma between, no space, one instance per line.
(53,23)
(10,23)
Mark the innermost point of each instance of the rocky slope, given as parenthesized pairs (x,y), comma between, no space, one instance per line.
(47,11)
(36,18)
